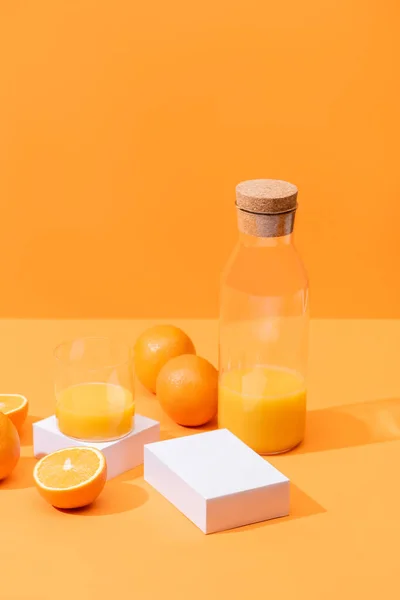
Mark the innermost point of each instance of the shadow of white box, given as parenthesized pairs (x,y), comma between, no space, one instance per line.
(216,481)
(121,455)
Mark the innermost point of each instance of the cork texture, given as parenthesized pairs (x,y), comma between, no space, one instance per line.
(260,225)
(268,196)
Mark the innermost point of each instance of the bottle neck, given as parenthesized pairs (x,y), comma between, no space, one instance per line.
(258,225)
(252,241)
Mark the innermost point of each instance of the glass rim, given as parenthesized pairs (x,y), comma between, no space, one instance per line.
(104,338)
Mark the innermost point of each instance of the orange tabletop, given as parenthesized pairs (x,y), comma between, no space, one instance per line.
(340,541)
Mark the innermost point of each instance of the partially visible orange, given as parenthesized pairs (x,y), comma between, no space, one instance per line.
(187,388)
(9,446)
(155,347)
(15,407)
(71,478)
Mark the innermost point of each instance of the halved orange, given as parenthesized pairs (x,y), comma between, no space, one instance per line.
(15,407)
(72,477)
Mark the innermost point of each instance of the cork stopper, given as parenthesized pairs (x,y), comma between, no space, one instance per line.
(266,207)
(266,196)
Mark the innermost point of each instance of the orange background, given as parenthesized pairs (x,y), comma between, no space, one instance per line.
(126,125)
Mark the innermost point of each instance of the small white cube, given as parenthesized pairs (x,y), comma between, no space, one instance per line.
(121,455)
(216,480)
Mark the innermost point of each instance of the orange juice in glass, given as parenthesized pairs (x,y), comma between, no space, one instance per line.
(94,389)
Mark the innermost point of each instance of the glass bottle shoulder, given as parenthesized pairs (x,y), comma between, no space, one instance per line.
(265,267)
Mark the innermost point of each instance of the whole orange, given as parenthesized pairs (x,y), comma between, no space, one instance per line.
(187,388)
(9,446)
(155,347)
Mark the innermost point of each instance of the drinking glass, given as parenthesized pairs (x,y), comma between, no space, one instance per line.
(94,389)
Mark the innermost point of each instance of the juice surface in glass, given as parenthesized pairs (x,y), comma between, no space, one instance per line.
(95,411)
(265,406)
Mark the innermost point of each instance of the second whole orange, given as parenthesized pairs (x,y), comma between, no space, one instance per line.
(155,347)
(187,389)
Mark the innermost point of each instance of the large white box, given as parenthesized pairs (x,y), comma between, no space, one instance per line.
(216,480)
(121,455)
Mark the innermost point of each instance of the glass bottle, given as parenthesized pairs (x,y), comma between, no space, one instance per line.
(264,320)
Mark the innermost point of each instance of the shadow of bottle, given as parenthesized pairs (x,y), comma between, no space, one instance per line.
(351,425)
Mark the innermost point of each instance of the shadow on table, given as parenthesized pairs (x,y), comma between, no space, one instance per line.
(167,435)
(180,431)
(129,475)
(21,477)
(116,498)
(351,425)
(164,435)
(301,505)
